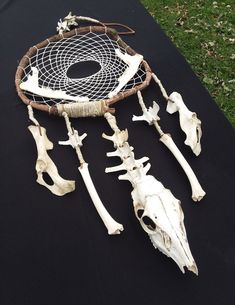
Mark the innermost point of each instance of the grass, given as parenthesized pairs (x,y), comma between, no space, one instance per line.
(204,32)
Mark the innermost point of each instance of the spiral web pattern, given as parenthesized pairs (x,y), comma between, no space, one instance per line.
(54,61)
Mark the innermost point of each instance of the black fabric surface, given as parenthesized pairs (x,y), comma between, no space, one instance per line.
(55,250)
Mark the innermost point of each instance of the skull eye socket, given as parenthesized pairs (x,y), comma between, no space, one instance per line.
(149,223)
(140,212)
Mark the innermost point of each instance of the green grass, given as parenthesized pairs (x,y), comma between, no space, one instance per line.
(204,33)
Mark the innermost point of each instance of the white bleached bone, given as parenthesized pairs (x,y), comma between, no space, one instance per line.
(150,115)
(68,21)
(75,141)
(112,225)
(157,210)
(72,20)
(189,122)
(118,139)
(32,85)
(197,192)
(133,62)
(45,164)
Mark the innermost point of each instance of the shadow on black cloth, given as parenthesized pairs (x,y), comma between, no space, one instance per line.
(55,251)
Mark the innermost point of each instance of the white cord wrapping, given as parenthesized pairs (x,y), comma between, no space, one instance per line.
(78,110)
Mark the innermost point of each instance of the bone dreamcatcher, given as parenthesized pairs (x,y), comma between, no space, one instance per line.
(43,83)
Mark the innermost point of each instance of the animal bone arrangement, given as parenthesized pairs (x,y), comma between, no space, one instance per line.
(157,210)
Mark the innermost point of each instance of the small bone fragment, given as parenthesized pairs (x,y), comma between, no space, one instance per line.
(71,20)
(64,26)
(44,164)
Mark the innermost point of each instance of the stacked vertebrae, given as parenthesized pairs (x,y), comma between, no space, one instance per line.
(156,208)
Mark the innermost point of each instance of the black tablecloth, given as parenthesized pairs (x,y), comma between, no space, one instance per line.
(55,250)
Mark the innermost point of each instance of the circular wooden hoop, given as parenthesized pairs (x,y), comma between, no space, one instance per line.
(82,30)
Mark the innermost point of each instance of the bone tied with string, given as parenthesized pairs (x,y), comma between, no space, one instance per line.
(43,82)
(151,117)
(75,141)
(44,163)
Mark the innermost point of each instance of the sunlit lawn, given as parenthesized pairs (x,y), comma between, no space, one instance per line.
(204,32)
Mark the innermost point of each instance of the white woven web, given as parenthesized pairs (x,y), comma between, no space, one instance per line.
(54,61)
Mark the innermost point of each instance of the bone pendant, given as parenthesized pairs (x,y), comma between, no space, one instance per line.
(44,164)
(112,226)
(189,122)
(150,115)
(75,140)
(197,191)
(157,210)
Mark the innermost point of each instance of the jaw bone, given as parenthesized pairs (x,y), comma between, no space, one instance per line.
(157,210)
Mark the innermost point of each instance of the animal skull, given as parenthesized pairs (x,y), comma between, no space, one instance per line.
(161,216)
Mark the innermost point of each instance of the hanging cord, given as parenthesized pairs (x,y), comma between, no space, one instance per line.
(73,20)
(32,118)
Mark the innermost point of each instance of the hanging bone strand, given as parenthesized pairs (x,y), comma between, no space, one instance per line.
(75,141)
(189,122)
(44,163)
(157,210)
(151,117)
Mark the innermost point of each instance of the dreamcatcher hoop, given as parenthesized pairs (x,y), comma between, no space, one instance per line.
(103,104)
(42,83)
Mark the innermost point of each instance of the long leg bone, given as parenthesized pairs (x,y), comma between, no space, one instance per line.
(151,117)
(75,141)
(157,210)
(44,163)
(189,122)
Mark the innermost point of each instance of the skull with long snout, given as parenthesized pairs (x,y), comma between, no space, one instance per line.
(161,216)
